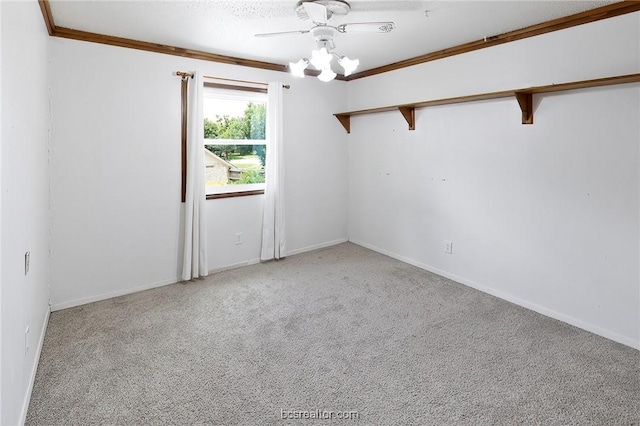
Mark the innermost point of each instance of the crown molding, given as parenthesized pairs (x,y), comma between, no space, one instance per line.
(163,48)
(593,15)
(605,12)
(45,8)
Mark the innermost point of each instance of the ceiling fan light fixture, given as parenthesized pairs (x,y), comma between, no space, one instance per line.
(323,32)
(349,65)
(327,75)
(321,59)
(297,68)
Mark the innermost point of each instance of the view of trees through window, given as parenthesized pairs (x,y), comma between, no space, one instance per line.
(239,153)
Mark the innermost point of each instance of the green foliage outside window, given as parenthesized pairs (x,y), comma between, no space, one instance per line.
(250,126)
(248,158)
(251,176)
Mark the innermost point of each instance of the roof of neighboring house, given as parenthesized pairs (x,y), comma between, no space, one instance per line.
(219,159)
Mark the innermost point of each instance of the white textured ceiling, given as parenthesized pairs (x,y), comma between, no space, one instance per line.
(228,27)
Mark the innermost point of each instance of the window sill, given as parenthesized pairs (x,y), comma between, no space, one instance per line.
(235,194)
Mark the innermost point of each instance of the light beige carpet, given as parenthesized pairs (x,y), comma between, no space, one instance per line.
(339,330)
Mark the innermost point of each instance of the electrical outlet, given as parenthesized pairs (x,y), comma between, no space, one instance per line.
(27,259)
(448,247)
(26,341)
(238,238)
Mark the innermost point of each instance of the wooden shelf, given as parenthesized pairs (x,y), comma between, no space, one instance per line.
(523,96)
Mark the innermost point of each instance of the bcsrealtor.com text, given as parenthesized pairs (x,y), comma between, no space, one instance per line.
(318,414)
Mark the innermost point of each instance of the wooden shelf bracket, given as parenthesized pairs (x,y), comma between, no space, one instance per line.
(525,100)
(409,114)
(345,120)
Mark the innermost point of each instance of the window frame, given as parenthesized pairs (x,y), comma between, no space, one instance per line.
(220,83)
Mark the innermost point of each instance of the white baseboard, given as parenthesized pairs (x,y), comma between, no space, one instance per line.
(511,298)
(234,266)
(316,246)
(111,294)
(34,369)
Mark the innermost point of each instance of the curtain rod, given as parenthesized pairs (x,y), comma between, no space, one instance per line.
(186,75)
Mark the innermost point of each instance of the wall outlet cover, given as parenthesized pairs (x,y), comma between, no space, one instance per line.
(448,247)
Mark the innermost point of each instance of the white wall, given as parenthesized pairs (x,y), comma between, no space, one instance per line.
(115,160)
(598,49)
(25,198)
(543,215)
(638,17)
(1,319)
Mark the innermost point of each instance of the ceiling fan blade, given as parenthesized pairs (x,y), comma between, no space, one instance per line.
(316,11)
(281,33)
(366,27)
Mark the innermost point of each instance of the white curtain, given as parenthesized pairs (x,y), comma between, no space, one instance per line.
(195,230)
(273,236)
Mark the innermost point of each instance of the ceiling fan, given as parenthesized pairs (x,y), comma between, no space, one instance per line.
(320,13)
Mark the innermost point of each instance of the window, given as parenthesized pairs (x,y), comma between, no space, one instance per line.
(234,130)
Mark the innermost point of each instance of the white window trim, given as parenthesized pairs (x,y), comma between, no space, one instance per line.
(235,94)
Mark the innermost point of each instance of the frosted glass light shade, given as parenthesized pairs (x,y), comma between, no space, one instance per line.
(349,65)
(321,59)
(327,75)
(297,68)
